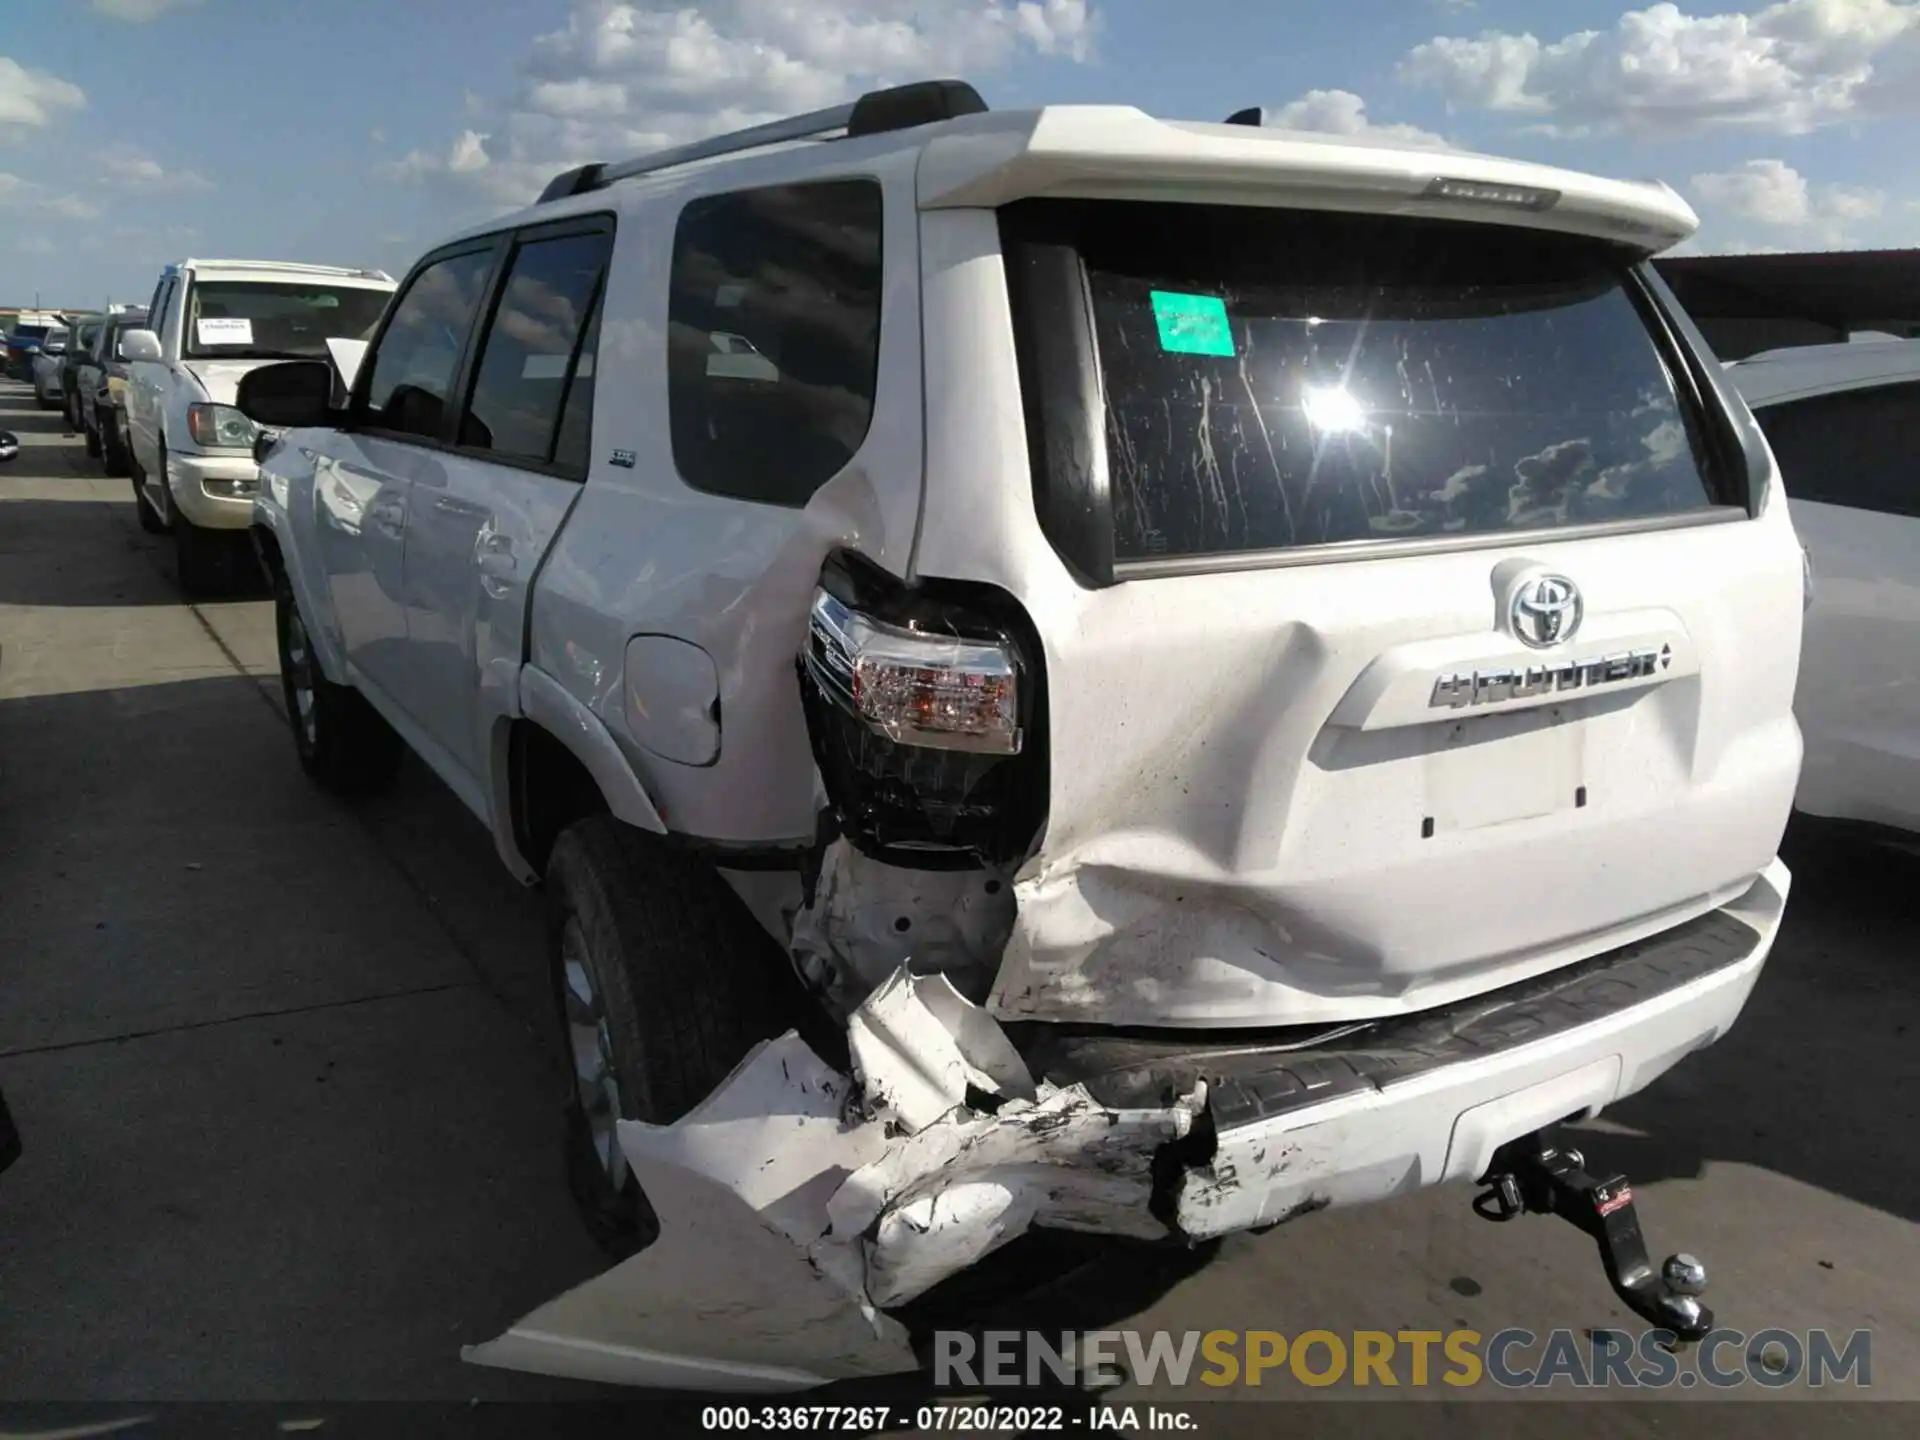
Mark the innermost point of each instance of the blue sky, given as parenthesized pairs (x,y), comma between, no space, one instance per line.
(133,132)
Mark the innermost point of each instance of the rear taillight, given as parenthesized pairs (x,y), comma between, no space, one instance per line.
(925,708)
(914,687)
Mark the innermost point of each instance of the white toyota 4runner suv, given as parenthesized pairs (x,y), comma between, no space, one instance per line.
(209,323)
(1061,671)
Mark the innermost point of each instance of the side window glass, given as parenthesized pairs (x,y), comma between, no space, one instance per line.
(1851,449)
(572,445)
(412,368)
(520,386)
(773,337)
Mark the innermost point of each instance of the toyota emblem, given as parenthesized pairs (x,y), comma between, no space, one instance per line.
(1545,610)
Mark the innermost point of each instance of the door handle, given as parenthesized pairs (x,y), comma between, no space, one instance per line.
(493,557)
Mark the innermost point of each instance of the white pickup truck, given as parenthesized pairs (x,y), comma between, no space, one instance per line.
(1059,670)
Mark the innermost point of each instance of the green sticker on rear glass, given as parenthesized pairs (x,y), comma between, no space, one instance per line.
(1192,324)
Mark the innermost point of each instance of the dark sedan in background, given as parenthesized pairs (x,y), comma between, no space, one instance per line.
(100,379)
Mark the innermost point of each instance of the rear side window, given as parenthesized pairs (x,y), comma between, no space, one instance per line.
(1855,448)
(773,337)
(527,359)
(413,362)
(1277,379)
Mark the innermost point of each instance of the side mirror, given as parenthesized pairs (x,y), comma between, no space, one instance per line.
(287,395)
(138,345)
(9,446)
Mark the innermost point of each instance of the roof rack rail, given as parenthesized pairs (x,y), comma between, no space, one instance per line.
(877,112)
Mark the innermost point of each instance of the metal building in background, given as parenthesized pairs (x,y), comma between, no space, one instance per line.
(1748,303)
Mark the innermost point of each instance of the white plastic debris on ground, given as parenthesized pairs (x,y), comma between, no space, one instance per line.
(795,1205)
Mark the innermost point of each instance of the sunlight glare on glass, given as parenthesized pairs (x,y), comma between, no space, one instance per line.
(1330,408)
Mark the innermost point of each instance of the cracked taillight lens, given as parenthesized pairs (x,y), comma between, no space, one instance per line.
(915,687)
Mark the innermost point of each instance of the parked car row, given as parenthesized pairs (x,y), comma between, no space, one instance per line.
(152,391)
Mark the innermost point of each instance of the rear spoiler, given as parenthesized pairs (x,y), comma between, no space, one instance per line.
(1118,152)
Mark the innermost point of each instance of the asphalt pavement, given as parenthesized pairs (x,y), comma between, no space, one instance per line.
(288,1100)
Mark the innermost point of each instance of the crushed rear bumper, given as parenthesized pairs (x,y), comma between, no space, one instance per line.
(798,1205)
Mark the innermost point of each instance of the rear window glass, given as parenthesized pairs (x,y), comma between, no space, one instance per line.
(1277,379)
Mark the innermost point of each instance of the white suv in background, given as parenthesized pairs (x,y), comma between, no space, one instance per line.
(1844,422)
(208,324)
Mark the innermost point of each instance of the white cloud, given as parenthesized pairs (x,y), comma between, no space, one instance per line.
(128,169)
(33,98)
(1790,67)
(1773,194)
(30,200)
(1341,112)
(67,206)
(139,11)
(620,79)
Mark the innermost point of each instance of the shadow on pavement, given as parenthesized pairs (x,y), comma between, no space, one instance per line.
(1815,1079)
(288,1126)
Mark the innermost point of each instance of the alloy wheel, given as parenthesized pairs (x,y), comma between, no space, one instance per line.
(300,677)
(591,1043)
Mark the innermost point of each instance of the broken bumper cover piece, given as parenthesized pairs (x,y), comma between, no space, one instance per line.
(797,1206)
(1427,1099)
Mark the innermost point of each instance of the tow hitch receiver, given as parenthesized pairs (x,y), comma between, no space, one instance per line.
(1532,1174)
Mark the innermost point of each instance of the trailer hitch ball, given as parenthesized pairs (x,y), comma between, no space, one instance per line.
(1534,1175)
(1684,1275)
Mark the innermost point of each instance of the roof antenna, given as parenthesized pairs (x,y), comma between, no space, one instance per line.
(1255,115)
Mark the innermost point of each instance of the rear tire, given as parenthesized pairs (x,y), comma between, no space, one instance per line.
(663,981)
(341,741)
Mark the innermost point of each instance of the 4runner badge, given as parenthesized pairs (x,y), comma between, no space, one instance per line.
(624,459)
(1519,682)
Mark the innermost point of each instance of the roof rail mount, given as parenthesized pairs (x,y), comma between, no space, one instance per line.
(878,112)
